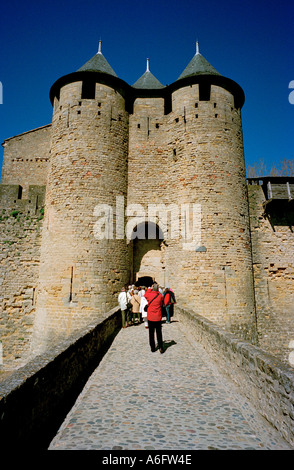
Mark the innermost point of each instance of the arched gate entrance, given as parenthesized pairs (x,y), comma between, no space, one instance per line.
(148,254)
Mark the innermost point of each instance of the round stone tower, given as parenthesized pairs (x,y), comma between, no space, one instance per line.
(82,262)
(212,268)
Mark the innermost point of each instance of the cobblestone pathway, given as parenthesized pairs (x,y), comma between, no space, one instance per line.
(139,400)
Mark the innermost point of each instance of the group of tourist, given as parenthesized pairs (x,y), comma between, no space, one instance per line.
(139,304)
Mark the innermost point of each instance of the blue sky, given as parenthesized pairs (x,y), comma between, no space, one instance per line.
(250,42)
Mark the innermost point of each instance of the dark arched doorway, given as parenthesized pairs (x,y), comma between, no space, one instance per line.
(148,251)
(145,281)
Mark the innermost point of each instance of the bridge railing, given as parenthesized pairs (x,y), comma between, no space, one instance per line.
(35,399)
(264,380)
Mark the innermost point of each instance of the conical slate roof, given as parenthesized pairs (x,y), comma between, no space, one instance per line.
(98,63)
(198,66)
(147,81)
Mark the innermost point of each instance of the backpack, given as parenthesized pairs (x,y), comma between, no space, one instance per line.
(172,297)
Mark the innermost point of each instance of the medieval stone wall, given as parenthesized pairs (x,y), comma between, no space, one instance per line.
(26,158)
(20,228)
(273,262)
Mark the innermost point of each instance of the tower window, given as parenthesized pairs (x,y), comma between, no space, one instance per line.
(177,120)
(88,90)
(19,196)
(157,125)
(167,104)
(204,91)
(216,115)
(139,125)
(196,105)
(214,105)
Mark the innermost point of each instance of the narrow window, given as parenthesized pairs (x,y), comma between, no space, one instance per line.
(196,115)
(204,91)
(71,282)
(157,125)
(214,105)
(177,120)
(139,126)
(167,104)
(196,105)
(88,90)
(216,115)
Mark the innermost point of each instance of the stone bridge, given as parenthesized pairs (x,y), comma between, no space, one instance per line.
(105,389)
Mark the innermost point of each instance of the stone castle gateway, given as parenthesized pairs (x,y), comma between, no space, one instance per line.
(112,145)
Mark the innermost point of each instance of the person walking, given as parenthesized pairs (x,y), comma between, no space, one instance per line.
(123,299)
(173,302)
(136,301)
(142,291)
(143,311)
(154,316)
(167,304)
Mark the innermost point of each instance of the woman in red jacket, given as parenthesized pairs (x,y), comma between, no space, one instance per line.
(167,304)
(154,316)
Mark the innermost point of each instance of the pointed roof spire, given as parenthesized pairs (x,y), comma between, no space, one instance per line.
(147,80)
(198,66)
(98,63)
(197,47)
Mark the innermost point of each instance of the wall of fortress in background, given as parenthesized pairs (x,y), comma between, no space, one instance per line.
(179,144)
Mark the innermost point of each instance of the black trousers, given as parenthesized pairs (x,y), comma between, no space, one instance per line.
(155,326)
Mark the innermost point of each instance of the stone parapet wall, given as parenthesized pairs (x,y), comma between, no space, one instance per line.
(265,381)
(35,399)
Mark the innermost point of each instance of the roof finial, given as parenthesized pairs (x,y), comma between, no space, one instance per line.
(99,48)
(147,66)
(197,47)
